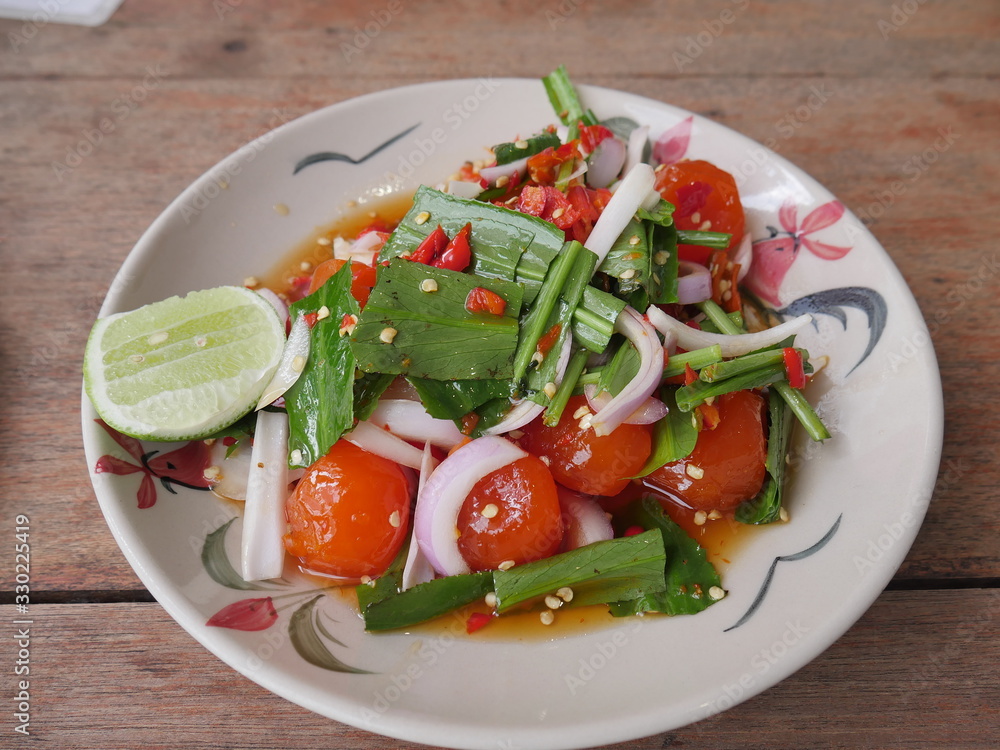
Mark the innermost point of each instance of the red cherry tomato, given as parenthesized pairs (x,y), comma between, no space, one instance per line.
(526,525)
(726,466)
(362,278)
(701,192)
(581,460)
(348,515)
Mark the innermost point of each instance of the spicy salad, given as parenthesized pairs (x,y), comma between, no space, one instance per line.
(509,395)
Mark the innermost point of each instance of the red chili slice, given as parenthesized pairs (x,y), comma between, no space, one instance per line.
(794,367)
(482,300)
(458,253)
(432,246)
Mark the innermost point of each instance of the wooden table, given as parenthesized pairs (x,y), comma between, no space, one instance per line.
(892,105)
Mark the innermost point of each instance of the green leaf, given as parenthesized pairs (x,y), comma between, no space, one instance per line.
(505,153)
(435,336)
(662,213)
(505,244)
(304,630)
(627,262)
(689,574)
(663,272)
(453,399)
(600,572)
(426,601)
(321,403)
(367,391)
(215,560)
(386,585)
(674,436)
(766,506)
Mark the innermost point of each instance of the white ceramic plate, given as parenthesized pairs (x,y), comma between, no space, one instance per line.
(855,502)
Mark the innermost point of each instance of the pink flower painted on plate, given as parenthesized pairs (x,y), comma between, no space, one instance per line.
(772,257)
(184,466)
(246,614)
(671,146)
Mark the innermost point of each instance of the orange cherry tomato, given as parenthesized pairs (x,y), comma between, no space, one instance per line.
(581,460)
(349,513)
(726,466)
(704,196)
(362,278)
(527,522)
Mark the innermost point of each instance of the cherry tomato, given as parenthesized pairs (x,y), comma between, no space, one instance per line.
(581,460)
(349,513)
(527,524)
(704,197)
(726,466)
(362,278)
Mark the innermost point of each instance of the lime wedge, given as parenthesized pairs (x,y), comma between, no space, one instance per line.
(183,368)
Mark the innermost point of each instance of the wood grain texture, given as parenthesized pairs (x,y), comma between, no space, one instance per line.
(897,113)
(913,672)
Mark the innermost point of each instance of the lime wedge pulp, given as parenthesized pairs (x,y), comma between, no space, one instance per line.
(185,367)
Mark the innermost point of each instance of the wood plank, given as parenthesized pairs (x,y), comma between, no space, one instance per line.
(918,670)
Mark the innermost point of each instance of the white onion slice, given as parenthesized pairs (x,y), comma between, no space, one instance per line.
(586,521)
(367,243)
(375,440)
(263,547)
(637,140)
(491,174)
(651,410)
(606,162)
(417,568)
(630,195)
(463,189)
(731,345)
(293,359)
(520,414)
(694,282)
(410,421)
(435,520)
(744,256)
(276,302)
(643,336)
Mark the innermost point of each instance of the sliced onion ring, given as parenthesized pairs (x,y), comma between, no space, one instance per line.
(694,282)
(586,521)
(293,359)
(375,440)
(606,162)
(491,174)
(410,421)
(637,141)
(643,336)
(744,256)
(651,410)
(435,519)
(263,546)
(417,568)
(630,195)
(732,345)
(277,303)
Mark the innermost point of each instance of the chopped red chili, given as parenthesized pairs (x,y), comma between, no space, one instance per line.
(794,367)
(482,300)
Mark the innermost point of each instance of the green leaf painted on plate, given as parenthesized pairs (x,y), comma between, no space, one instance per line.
(216,562)
(304,631)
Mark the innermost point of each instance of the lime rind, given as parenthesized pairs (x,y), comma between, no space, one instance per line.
(185,367)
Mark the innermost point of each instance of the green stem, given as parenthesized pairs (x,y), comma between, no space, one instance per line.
(573,372)
(697,358)
(689,396)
